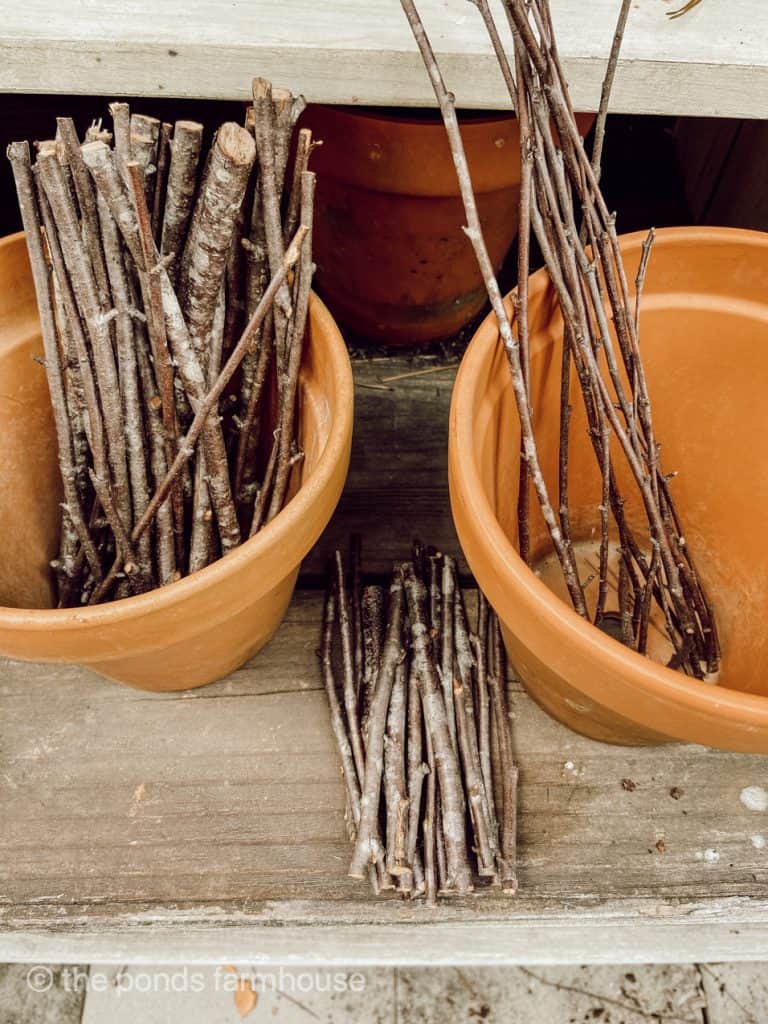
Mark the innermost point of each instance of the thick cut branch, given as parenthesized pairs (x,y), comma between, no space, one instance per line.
(18,154)
(180,193)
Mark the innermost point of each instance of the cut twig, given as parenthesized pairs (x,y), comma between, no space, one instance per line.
(18,154)
(289,376)
(447,647)
(395,791)
(80,271)
(373,636)
(497,684)
(182,180)
(473,231)
(161,181)
(416,769)
(367,846)
(347,647)
(146,299)
(605,94)
(436,720)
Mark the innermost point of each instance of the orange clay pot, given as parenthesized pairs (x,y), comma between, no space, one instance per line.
(206,625)
(392,260)
(704,338)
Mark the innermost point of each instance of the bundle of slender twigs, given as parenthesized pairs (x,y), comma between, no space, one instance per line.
(562,204)
(419,712)
(173,294)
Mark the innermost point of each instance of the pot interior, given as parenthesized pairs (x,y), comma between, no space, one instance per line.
(30,485)
(704,339)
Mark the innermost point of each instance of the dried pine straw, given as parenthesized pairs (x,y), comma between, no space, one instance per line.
(173,291)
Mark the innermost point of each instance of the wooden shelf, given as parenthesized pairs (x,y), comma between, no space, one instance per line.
(208,825)
(713,61)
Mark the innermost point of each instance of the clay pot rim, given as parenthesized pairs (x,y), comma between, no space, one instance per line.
(277,532)
(515,577)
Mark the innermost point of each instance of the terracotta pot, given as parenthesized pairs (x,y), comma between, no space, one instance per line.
(704,337)
(392,260)
(206,625)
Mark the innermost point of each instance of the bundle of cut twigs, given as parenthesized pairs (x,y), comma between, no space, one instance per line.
(561,202)
(419,712)
(173,294)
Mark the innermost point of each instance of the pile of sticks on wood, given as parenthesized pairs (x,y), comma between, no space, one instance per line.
(419,712)
(173,296)
(561,202)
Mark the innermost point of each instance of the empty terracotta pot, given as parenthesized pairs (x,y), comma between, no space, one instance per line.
(198,629)
(392,260)
(704,339)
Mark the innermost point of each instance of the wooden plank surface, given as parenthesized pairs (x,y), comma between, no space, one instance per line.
(713,61)
(209,824)
(397,487)
(139,825)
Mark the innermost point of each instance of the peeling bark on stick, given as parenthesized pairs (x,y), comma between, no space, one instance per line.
(18,154)
(373,635)
(459,874)
(129,380)
(395,792)
(289,377)
(367,847)
(165,547)
(207,247)
(179,197)
(80,272)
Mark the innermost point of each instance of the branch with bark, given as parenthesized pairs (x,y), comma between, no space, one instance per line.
(434,810)
(562,205)
(148,339)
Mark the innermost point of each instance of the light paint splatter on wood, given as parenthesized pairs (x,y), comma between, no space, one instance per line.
(754,798)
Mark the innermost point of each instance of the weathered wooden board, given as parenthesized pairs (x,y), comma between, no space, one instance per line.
(398,478)
(210,823)
(713,61)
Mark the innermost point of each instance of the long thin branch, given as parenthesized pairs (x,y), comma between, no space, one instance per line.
(511,345)
(210,400)
(605,93)
(436,720)
(18,154)
(367,847)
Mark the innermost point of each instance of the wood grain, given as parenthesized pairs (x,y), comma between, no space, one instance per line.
(397,487)
(208,824)
(713,61)
(139,825)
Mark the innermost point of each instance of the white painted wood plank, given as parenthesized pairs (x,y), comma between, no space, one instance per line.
(305,934)
(712,61)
